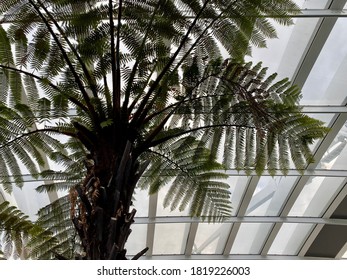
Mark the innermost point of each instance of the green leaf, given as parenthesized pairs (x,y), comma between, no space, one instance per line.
(106,123)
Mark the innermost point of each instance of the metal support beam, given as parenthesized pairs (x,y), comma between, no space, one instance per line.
(191,238)
(326,13)
(245,219)
(231,172)
(152,213)
(228,257)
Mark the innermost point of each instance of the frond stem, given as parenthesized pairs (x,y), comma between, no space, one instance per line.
(73,49)
(115,56)
(197,40)
(140,53)
(37,131)
(176,105)
(73,100)
(170,161)
(66,58)
(136,99)
(164,139)
(139,113)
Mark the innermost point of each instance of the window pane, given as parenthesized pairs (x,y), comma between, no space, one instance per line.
(311,4)
(140,202)
(250,238)
(137,239)
(336,156)
(316,196)
(327,82)
(238,186)
(211,238)
(270,195)
(290,239)
(284,53)
(170,238)
(28,200)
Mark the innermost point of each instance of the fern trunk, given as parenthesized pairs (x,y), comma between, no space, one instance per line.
(101,204)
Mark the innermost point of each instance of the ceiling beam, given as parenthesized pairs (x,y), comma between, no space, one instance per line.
(232,172)
(245,219)
(191,237)
(152,213)
(228,257)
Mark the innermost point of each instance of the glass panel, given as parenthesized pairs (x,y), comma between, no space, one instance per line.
(311,4)
(326,83)
(269,196)
(28,200)
(336,156)
(284,53)
(250,238)
(316,196)
(137,239)
(170,238)
(238,186)
(290,239)
(141,202)
(211,238)
(327,118)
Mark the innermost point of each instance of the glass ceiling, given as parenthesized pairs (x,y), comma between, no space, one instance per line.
(273,217)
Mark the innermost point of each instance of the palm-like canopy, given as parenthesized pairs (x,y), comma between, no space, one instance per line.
(141,92)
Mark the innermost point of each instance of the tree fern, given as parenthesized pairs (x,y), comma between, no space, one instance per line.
(152,99)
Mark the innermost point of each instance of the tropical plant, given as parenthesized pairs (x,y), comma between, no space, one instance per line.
(136,94)
(16,230)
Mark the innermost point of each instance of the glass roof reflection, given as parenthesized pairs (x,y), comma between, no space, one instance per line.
(251,238)
(316,196)
(211,238)
(312,4)
(270,195)
(137,239)
(168,243)
(290,239)
(336,155)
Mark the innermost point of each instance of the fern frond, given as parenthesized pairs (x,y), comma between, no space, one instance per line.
(200,180)
(16,230)
(55,218)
